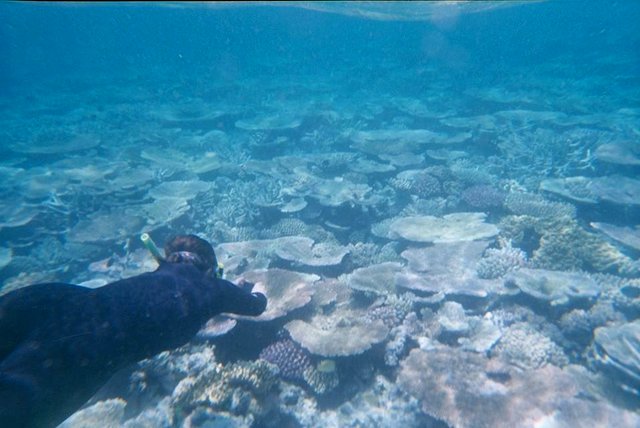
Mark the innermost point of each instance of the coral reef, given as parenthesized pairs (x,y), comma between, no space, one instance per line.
(497,262)
(465,389)
(323,378)
(483,197)
(305,251)
(449,228)
(378,279)
(108,414)
(417,182)
(555,287)
(564,245)
(447,268)
(335,192)
(615,189)
(524,347)
(336,336)
(534,205)
(616,351)
(236,388)
(390,309)
(285,290)
(291,360)
(400,338)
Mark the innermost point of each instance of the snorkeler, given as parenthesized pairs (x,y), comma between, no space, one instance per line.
(60,343)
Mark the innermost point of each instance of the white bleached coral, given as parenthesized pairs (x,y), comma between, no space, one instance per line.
(179,189)
(627,236)
(285,290)
(449,228)
(465,389)
(306,252)
(555,287)
(615,189)
(497,262)
(616,351)
(105,227)
(526,348)
(447,268)
(379,278)
(331,336)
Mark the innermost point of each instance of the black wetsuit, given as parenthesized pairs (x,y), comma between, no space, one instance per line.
(59,343)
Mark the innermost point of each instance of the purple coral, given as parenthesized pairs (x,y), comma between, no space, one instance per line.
(290,358)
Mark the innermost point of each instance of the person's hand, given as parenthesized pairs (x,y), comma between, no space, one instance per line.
(251,287)
(259,287)
(244,284)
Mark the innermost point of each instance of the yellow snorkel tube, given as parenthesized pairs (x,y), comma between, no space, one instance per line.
(151,246)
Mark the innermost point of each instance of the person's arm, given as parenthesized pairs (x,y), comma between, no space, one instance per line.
(239,300)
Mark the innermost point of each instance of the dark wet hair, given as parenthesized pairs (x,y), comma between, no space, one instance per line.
(205,259)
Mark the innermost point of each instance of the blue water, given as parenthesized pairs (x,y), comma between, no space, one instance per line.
(331,125)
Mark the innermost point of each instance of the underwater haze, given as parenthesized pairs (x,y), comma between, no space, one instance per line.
(441,201)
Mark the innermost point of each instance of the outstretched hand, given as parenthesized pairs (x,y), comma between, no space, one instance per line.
(251,287)
(245,285)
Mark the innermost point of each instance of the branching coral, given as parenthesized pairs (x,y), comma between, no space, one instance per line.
(237,387)
(497,262)
(483,197)
(564,245)
(524,347)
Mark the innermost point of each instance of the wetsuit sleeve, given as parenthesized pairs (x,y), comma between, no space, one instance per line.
(235,300)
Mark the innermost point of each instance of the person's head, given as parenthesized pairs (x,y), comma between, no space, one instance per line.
(191,249)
